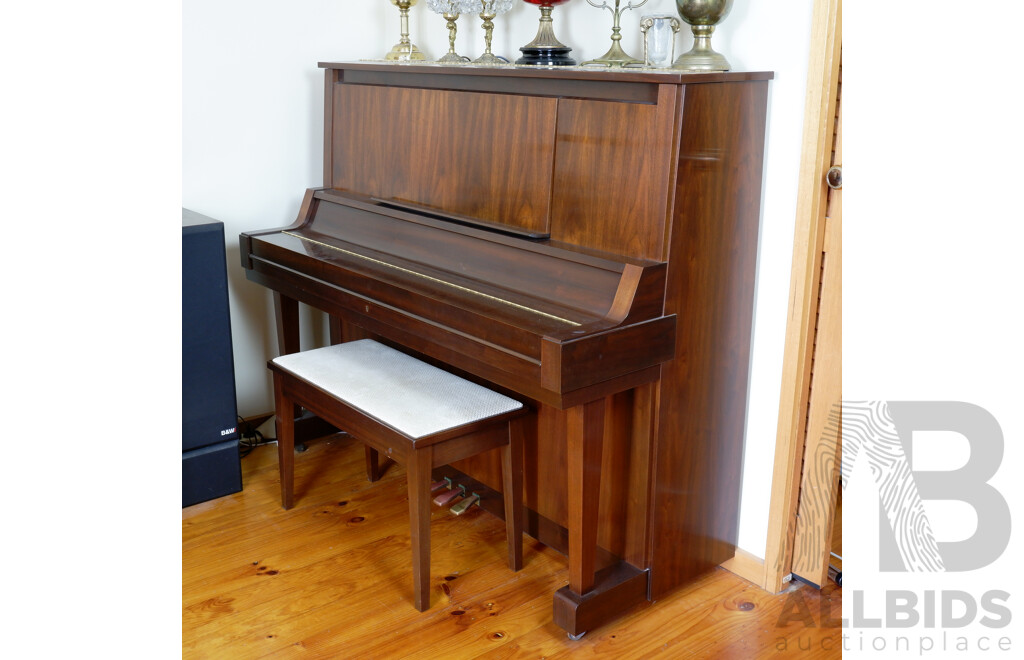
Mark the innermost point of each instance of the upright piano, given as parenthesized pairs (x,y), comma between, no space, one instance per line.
(584,240)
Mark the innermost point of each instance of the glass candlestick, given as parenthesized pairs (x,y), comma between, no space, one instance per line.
(450,10)
(659,39)
(404,50)
(546,49)
(615,55)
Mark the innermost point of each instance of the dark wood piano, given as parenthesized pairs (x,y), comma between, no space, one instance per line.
(584,240)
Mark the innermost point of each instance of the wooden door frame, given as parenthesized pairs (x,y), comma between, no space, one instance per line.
(819,115)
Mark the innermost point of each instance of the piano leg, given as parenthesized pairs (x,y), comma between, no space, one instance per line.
(590,600)
(586,438)
(286,312)
(336,329)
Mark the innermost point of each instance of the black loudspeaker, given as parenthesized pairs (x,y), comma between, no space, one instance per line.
(210,464)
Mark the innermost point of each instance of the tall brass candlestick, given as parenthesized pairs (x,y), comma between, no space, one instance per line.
(404,50)
(488,10)
(615,55)
(450,10)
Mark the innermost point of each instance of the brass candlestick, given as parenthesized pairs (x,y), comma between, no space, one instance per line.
(450,10)
(404,50)
(488,57)
(615,55)
(488,10)
(451,57)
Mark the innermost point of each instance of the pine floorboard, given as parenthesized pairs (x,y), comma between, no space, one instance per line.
(331,578)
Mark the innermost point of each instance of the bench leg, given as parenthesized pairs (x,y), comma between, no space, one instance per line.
(418,475)
(512,487)
(285,423)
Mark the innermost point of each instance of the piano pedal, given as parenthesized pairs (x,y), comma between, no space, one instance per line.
(438,485)
(462,506)
(444,499)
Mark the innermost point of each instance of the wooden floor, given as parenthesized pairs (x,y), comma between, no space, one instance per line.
(331,579)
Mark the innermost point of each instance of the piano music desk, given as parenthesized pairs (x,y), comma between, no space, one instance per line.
(416,414)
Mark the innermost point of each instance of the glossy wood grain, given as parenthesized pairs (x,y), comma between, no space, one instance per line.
(482,155)
(492,305)
(703,391)
(585,434)
(329,578)
(612,174)
(527,80)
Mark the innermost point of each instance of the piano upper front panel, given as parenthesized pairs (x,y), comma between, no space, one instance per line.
(483,155)
(613,174)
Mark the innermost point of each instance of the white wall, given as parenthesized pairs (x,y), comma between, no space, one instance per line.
(252,126)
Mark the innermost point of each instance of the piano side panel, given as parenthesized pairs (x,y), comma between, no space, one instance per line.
(703,392)
(484,155)
(613,173)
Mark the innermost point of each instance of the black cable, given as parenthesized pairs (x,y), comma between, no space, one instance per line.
(249,438)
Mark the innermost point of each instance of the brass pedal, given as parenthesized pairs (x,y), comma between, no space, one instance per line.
(462,506)
(438,485)
(445,499)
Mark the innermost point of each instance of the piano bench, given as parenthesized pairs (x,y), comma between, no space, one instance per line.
(418,415)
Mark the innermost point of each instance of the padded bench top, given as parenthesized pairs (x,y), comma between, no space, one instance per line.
(411,396)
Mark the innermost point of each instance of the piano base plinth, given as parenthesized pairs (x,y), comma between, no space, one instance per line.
(617,588)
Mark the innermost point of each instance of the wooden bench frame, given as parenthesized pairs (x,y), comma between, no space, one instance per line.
(418,455)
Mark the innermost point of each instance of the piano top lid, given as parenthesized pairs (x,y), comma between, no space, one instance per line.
(676,76)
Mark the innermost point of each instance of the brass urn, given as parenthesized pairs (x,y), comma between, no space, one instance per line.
(702,16)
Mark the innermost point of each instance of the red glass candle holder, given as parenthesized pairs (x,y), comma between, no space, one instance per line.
(546,49)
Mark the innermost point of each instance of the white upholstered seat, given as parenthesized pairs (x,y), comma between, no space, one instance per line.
(410,396)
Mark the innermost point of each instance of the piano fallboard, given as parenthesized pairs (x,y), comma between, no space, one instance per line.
(537,318)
